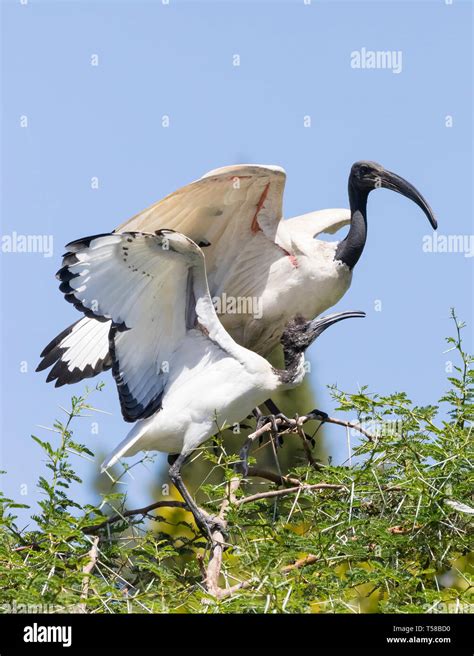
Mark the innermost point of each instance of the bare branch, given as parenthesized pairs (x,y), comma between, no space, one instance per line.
(293,424)
(350,424)
(256,472)
(213,570)
(302,562)
(291,490)
(87,571)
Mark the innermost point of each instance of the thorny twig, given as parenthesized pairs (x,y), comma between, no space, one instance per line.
(290,490)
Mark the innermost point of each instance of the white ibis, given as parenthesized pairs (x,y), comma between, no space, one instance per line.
(179,374)
(276,266)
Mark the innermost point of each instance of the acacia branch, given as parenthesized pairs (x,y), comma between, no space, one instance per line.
(292,425)
(350,424)
(213,569)
(310,559)
(137,511)
(212,572)
(256,472)
(290,490)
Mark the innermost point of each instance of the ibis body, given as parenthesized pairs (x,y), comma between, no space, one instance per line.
(180,376)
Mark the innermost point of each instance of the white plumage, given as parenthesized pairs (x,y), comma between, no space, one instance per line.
(176,368)
(179,374)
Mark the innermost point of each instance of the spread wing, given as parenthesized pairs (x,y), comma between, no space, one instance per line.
(141,285)
(232,209)
(236,209)
(248,196)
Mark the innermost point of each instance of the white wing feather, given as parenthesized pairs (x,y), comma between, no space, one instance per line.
(142,288)
(80,351)
(315,223)
(235,200)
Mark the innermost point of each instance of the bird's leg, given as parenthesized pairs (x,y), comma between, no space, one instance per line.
(276,438)
(242,466)
(272,407)
(277,414)
(206,522)
(314,414)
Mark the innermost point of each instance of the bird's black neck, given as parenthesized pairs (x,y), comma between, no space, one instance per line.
(350,249)
(293,373)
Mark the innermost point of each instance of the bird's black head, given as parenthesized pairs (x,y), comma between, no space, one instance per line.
(300,333)
(366,176)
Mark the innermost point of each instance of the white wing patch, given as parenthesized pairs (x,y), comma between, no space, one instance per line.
(80,351)
(138,284)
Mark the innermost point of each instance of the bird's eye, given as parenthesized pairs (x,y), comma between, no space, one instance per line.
(364,170)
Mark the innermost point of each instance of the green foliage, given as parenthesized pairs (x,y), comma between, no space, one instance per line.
(392,534)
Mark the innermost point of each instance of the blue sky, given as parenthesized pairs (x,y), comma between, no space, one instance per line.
(176,60)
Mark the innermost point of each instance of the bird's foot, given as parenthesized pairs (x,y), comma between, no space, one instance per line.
(318,414)
(275,428)
(209,524)
(285,421)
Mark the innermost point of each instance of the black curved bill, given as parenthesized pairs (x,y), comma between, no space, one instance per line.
(319,325)
(396,183)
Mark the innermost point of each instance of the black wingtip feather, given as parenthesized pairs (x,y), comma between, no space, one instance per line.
(59,338)
(69,259)
(131,409)
(66,274)
(52,354)
(84,242)
(66,288)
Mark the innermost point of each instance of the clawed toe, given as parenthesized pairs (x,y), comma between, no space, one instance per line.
(208,524)
(318,414)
